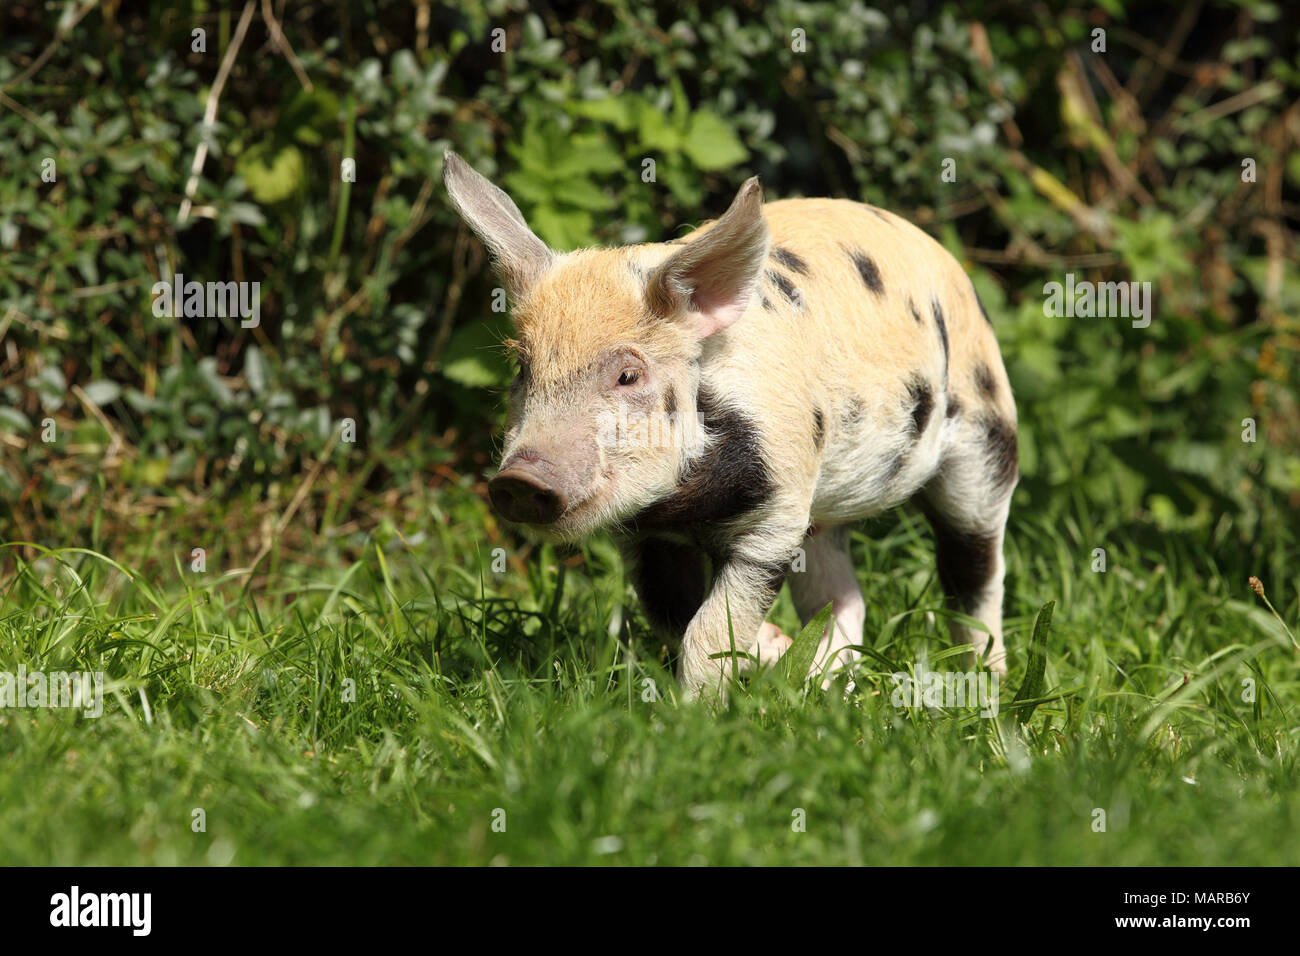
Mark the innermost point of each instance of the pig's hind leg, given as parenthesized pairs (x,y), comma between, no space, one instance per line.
(967,504)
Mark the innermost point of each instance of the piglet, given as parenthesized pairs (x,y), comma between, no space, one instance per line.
(727,403)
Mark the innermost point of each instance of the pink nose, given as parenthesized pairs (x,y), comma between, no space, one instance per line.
(523,493)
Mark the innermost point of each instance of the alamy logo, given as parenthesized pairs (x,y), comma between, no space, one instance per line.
(1101,299)
(946,689)
(209,299)
(70,689)
(638,429)
(103,909)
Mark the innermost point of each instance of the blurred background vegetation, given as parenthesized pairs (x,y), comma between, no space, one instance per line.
(1122,164)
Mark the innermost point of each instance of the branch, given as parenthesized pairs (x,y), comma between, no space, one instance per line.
(210,112)
(48,52)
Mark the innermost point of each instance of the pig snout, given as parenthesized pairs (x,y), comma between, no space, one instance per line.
(529,489)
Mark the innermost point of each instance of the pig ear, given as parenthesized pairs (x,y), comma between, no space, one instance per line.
(711,281)
(520,256)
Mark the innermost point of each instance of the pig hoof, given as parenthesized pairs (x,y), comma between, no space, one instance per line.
(770,644)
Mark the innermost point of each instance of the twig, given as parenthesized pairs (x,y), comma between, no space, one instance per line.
(421,25)
(417,219)
(277,37)
(1144,81)
(36,121)
(1003,257)
(451,300)
(36,325)
(90,291)
(979,41)
(1073,84)
(1246,98)
(48,52)
(210,112)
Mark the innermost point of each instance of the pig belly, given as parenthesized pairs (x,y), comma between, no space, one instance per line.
(860,479)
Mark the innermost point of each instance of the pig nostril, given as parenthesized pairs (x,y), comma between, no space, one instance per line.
(524,498)
(541,507)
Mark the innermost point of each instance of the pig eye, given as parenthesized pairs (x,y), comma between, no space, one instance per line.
(629,376)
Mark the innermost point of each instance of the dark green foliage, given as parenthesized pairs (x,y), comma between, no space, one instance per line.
(376,305)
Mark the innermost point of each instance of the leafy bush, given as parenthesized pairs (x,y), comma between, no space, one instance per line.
(1122,164)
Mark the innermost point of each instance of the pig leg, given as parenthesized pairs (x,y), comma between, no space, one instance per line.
(828,578)
(671,581)
(968,513)
(745,584)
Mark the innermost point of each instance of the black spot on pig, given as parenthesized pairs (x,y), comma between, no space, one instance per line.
(984,380)
(895,466)
(867,271)
(954,407)
(791,261)
(1003,452)
(922,398)
(768,578)
(912,308)
(785,285)
(671,580)
(670,400)
(874,211)
(819,428)
(966,562)
(730,479)
(767,304)
(939,322)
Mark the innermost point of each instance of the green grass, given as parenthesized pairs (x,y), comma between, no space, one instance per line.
(524,693)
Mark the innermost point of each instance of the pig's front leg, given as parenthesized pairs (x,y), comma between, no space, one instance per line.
(745,584)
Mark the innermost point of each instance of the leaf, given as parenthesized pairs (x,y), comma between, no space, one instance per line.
(211,379)
(656,131)
(309,117)
(563,229)
(12,418)
(103,392)
(141,402)
(404,68)
(113,130)
(798,660)
(619,111)
(273,175)
(584,194)
(245,212)
(711,144)
(51,387)
(1032,686)
(255,370)
(474,357)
